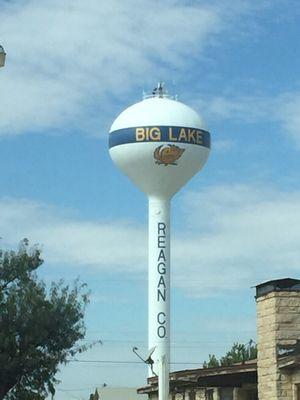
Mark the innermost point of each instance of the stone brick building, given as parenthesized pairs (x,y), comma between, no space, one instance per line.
(278,332)
(275,375)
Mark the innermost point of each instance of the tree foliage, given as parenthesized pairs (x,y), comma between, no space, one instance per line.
(239,353)
(39,327)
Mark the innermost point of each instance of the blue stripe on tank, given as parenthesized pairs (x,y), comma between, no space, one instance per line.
(144,134)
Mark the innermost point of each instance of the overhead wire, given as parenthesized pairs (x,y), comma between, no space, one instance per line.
(176,343)
(131,362)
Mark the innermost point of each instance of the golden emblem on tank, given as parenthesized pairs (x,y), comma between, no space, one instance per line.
(167,154)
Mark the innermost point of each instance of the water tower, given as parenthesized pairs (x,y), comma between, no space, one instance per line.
(159,143)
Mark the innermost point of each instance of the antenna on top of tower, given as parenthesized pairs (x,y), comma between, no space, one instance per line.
(159,91)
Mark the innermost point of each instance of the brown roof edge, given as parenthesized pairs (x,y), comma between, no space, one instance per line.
(192,375)
(216,371)
(147,389)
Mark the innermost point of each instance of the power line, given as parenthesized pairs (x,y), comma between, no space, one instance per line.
(130,362)
(174,343)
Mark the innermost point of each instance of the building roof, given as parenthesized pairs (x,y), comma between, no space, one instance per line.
(278,285)
(119,393)
(233,376)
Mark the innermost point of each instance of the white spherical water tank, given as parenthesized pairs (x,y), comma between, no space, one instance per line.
(159,143)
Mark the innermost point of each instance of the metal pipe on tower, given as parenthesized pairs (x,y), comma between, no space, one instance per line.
(159,143)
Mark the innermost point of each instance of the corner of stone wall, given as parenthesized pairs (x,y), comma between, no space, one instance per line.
(278,323)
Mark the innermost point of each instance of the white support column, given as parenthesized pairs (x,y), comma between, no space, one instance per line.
(236,393)
(159,291)
(216,394)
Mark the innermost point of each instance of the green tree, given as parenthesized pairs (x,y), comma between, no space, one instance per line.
(39,328)
(212,362)
(239,353)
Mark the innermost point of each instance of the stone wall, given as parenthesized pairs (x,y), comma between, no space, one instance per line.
(296,384)
(278,323)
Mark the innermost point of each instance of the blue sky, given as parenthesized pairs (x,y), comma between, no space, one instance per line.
(71,68)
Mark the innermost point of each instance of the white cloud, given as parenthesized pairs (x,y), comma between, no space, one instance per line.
(223,145)
(234,237)
(283,108)
(238,236)
(67,240)
(288,113)
(67,62)
(246,108)
(63,56)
